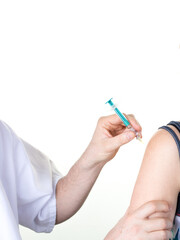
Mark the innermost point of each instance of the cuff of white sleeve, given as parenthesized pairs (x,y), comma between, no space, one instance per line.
(52,209)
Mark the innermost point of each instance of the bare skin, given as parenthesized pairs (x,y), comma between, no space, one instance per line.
(73,189)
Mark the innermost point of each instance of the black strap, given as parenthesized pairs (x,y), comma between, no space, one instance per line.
(173,135)
(175,124)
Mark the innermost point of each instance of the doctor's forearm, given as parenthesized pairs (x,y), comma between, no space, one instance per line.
(73,189)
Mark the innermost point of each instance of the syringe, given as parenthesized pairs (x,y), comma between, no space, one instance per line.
(124,119)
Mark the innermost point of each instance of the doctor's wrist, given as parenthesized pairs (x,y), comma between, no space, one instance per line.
(91,160)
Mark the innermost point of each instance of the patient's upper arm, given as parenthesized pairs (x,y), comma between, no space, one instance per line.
(159,176)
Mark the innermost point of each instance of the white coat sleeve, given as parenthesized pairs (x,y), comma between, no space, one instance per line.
(36,188)
(29,180)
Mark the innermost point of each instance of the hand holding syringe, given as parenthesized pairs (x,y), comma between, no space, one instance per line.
(124,119)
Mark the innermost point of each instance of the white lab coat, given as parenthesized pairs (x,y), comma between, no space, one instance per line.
(27,187)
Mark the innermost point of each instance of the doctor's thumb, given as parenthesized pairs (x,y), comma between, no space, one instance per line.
(122,139)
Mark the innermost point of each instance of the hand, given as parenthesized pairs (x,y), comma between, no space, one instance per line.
(138,225)
(109,135)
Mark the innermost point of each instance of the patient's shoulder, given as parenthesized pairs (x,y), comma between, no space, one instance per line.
(163,143)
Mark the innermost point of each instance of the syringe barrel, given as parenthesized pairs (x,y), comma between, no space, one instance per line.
(123,118)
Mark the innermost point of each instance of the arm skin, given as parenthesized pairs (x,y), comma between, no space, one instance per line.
(138,225)
(159,175)
(73,189)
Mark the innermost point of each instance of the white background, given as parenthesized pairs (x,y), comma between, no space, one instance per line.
(60,61)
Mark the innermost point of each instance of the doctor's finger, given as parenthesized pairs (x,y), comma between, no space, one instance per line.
(158,224)
(119,140)
(134,122)
(159,235)
(150,208)
(111,119)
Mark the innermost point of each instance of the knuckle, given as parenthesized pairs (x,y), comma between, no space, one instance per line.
(131,115)
(101,119)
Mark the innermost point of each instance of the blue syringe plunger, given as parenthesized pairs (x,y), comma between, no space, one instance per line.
(122,117)
(110,102)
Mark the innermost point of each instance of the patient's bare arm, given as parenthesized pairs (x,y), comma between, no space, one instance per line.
(159,175)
